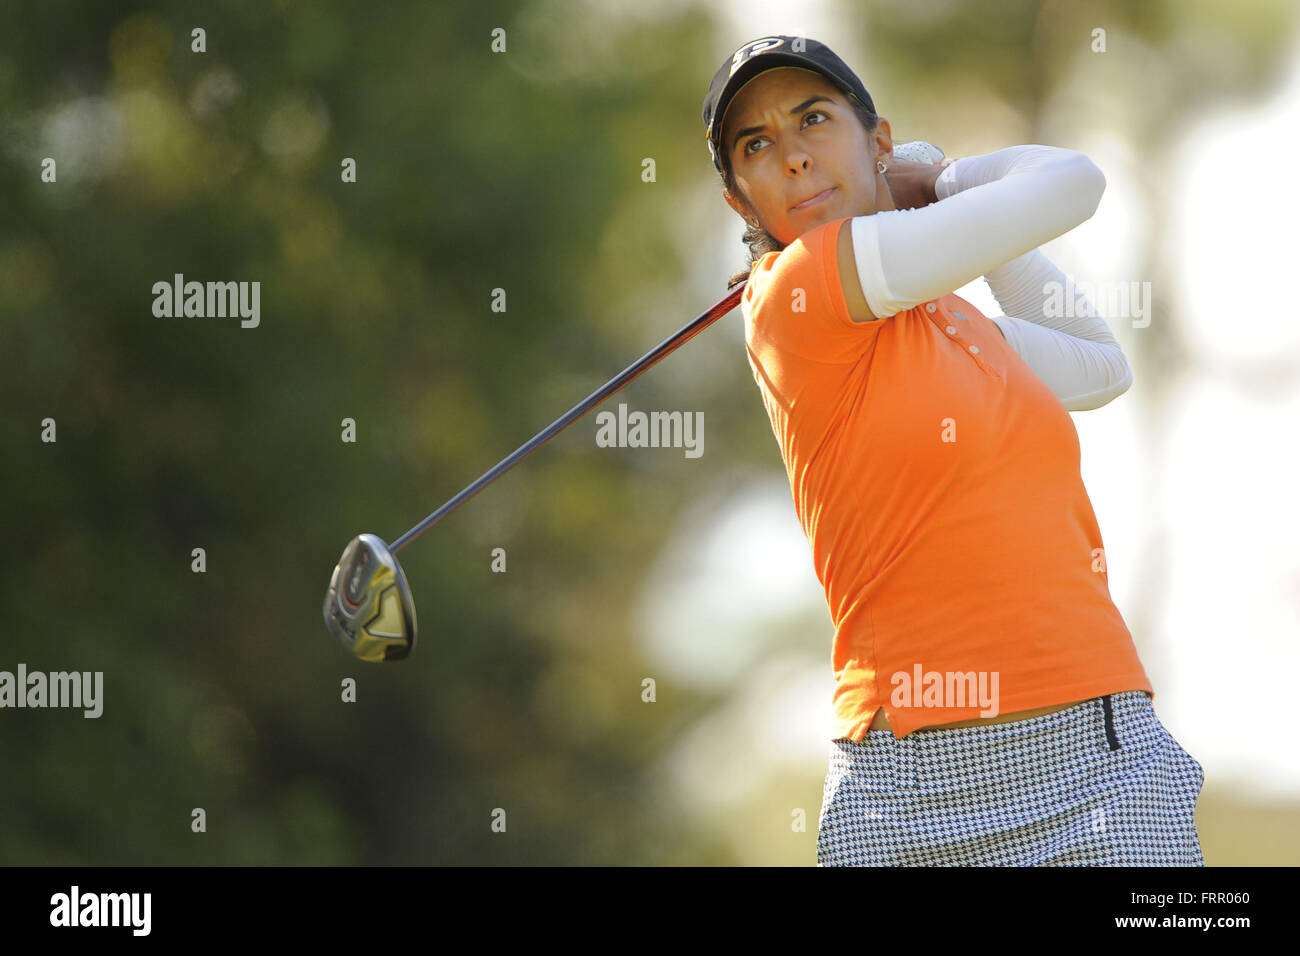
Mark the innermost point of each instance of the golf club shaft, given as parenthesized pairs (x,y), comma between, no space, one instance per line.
(688,332)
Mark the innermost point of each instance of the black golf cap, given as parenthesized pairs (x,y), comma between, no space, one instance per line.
(759,55)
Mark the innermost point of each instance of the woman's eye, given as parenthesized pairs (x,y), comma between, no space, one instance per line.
(759,139)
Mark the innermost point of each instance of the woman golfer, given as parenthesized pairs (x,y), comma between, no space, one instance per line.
(989,704)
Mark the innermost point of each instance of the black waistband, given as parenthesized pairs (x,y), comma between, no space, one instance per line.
(1110,723)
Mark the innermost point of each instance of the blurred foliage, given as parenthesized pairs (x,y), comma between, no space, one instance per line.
(476,171)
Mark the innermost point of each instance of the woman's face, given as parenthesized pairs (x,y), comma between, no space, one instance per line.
(801,149)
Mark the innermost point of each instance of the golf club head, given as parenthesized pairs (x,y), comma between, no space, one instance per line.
(368,606)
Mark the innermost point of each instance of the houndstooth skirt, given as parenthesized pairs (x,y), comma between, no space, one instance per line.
(1102,783)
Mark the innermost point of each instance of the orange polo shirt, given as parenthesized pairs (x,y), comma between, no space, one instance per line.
(937,480)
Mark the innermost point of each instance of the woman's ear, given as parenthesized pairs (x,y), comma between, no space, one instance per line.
(884,138)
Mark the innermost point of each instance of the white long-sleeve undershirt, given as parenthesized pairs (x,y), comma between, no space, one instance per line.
(994,211)
(1076,356)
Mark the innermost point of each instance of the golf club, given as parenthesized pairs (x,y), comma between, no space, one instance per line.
(368,605)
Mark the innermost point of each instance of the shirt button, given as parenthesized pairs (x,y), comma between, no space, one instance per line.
(974,348)
(951,330)
(929,307)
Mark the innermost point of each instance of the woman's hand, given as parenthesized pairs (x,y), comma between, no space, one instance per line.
(912,184)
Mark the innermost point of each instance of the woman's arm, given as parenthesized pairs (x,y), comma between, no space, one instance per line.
(996,207)
(1074,354)
(1028,286)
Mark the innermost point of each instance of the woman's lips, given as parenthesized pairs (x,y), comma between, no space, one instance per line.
(820,197)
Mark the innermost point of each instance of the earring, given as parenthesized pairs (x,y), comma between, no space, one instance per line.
(880,166)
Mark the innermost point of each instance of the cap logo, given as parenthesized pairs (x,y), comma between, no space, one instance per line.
(752,49)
